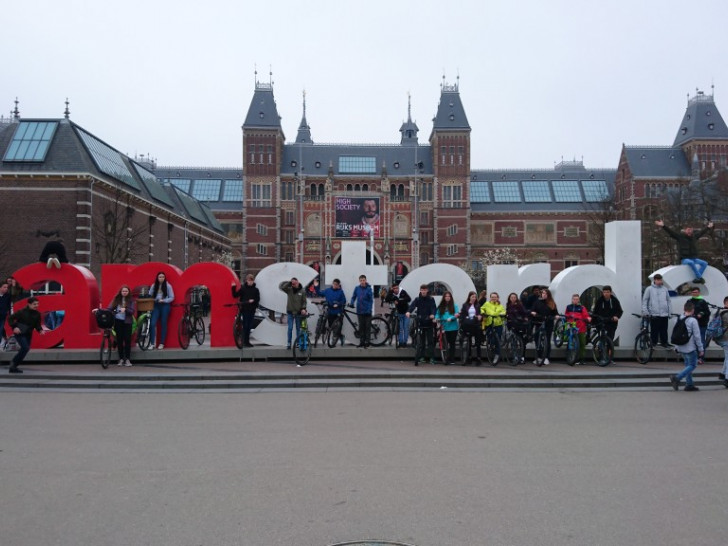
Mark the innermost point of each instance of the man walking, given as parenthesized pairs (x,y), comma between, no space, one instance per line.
(363,300)
(657,305)
(691,351)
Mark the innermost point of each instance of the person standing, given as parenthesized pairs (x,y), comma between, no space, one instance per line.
(16,291)
(471,322)
(609,310)
(517,320)
(163,295)
(122,306)
(335,301)
(702,311)
(691,352)
(544,311)
(4,311)
(23,323)
(401,300)
(494,314)
(249,297)
(425,307)
(447,314)
(687,247)
(295,306)
(577,313)
(657,304)
(723,342)
(363,300)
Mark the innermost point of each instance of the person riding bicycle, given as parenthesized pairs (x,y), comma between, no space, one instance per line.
(401,300)
(577,314)
(609,310)
(447,314)
(471,324)
(425,306)
(335,301)
(249,297)
(494,316)
(543,312)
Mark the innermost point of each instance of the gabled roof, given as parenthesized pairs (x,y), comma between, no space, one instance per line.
(702,121)
(263,112)
(657,162)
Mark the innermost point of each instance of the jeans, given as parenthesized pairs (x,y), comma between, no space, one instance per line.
(724,344)
(691,362)
(291,320)
(403,328)
(159,313)
(697,265)
(24,342)
(495,336)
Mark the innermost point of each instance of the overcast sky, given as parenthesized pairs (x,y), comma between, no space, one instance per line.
(540,80)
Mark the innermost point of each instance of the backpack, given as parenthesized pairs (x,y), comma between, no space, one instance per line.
(715,329)
(680,333)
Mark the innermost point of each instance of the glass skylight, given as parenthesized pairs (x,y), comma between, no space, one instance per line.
(153,186)
(31,141)
(233,190)
(506,192)
(108,160)
(566,191)
(357,165)
(595,190)
(479,192)
(536,191)
(206,189)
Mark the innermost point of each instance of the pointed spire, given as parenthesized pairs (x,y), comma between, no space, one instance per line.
(16,111)
(304,131)
(67,112)
(409,129)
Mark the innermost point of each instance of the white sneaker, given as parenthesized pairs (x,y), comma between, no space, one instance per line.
(121,362)
(127,362)
(49,263)
(536,362)
(56,263)
(152,347)
(546,362)
(160,346)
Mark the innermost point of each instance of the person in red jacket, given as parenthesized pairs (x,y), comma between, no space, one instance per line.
(577,313)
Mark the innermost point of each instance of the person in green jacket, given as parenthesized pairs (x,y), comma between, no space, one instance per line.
(295,306)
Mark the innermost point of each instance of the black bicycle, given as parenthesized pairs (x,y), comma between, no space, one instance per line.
(392,319)
(302,345)
(643,341)
(602,344)
(322,331)
(419,332)
(191,325)
(378,330)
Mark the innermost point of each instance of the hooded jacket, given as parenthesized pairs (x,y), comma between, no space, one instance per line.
(656,301)
(363,298)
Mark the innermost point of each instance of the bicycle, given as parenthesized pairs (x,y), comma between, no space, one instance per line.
(378,330)
(559,333)
(443,344)
(602,344)
(418,332)
(142,324)
(571,331)
(105,321)
(511,346)
(643,341)
(392,319)
(467,342)
(191,325)
(302,345)
(492,341)
(322,331)
(540,338)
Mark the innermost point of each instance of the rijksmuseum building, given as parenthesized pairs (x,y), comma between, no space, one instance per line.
(412,202)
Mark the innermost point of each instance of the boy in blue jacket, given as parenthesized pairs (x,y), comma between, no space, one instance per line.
(363,300)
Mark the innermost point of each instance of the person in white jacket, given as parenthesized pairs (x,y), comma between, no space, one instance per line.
(692,351)
(657,305)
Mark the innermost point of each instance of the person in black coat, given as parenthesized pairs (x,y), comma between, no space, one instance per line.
(23,323)
(609,309)
(54,254)
(249,297)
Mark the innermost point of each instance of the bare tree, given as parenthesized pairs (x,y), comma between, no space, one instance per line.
(599,214)
(119,239)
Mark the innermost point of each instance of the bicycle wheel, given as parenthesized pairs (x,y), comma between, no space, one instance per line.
(238,331)
(603,351)
(199,327)
(319,330)
(643,348)
(572,348)
(490,348)
(335,331)
(540,342)
(559,334)
(183,333)
(417,344)
(378,332)
(513,349)
(143,339)
(105,351)
(394,331)
(443,346)
(302,348)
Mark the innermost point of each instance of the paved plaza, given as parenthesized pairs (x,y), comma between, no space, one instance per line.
(439,468)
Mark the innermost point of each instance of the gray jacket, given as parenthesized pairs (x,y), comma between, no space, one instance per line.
(695,343)
(656,301)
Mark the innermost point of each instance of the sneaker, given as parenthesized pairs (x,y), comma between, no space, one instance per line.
(432,361)
(152,347)
(121,362)
(496,359)
(538,362)
(721,377)
(49,263)
(127,362)
(675,382)
(546,362)
(288,347)
(56,263)
(725,383)
(160,346)
(15,370)
(691,388)
(299,365)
